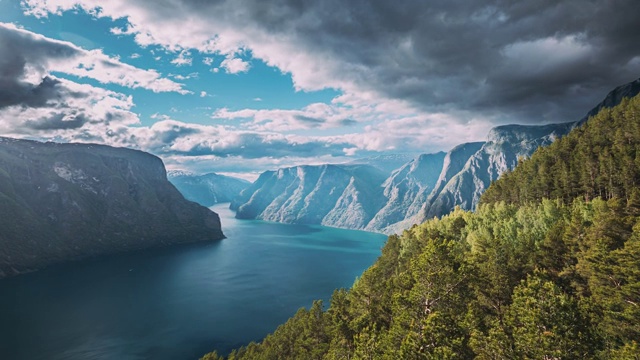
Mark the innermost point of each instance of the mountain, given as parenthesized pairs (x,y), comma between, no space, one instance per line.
(547,267)
(208,189)
(600,159)
(505,145)
(614,97)
(62,202)
(406,190)
(463,185)
(431,185)
(332,195)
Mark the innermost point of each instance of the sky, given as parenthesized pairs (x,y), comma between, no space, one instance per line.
(242,86)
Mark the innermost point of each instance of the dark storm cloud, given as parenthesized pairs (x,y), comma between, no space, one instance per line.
(58,122)
(32,99)
(310,121)
(20,51)
(15,92)
(511,60)
(541,60)
(536,60)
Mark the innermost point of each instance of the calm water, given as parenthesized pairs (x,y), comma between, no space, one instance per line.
(180,302)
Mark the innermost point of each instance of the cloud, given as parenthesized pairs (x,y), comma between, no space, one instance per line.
(479,56)
(64,110)
(29,57)
(170,138)
(234,65)
(314,116)
(193,75)
(208,61)
(183,59)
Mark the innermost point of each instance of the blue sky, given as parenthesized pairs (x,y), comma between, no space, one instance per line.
(239,87)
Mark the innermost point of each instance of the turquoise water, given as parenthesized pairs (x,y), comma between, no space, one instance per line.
(180,302)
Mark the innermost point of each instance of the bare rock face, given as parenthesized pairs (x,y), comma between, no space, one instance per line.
(62,202)
(333,195)
(505,145)
(407,189)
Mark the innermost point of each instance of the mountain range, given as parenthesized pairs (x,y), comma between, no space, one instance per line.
(368,195)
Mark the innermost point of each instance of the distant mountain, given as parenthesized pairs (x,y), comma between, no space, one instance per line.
(208,189)
(62,202)
(428,186)
(334,195)
(505,145)
(407,189)
(453,163)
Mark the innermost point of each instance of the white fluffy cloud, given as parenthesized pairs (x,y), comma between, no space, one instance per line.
(76,113)
(234,65)
(183,59)
(33,56)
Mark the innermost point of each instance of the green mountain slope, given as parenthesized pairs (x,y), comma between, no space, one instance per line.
(548,267)
(598,159)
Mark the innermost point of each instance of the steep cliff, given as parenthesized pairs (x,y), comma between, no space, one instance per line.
(407,189)
(62,202)
(332,195)
(499,154)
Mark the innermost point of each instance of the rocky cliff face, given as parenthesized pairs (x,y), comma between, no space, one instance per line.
(62,202)
(505,145)
(406,190)
(430,185)
(208,189)
(333,195)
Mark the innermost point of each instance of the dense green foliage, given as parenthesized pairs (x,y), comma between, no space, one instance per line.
(524,277)
(599,159)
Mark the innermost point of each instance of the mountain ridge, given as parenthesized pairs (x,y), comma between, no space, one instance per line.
(466,172)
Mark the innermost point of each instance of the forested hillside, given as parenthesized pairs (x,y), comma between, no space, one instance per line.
(599,159)
(548,267)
